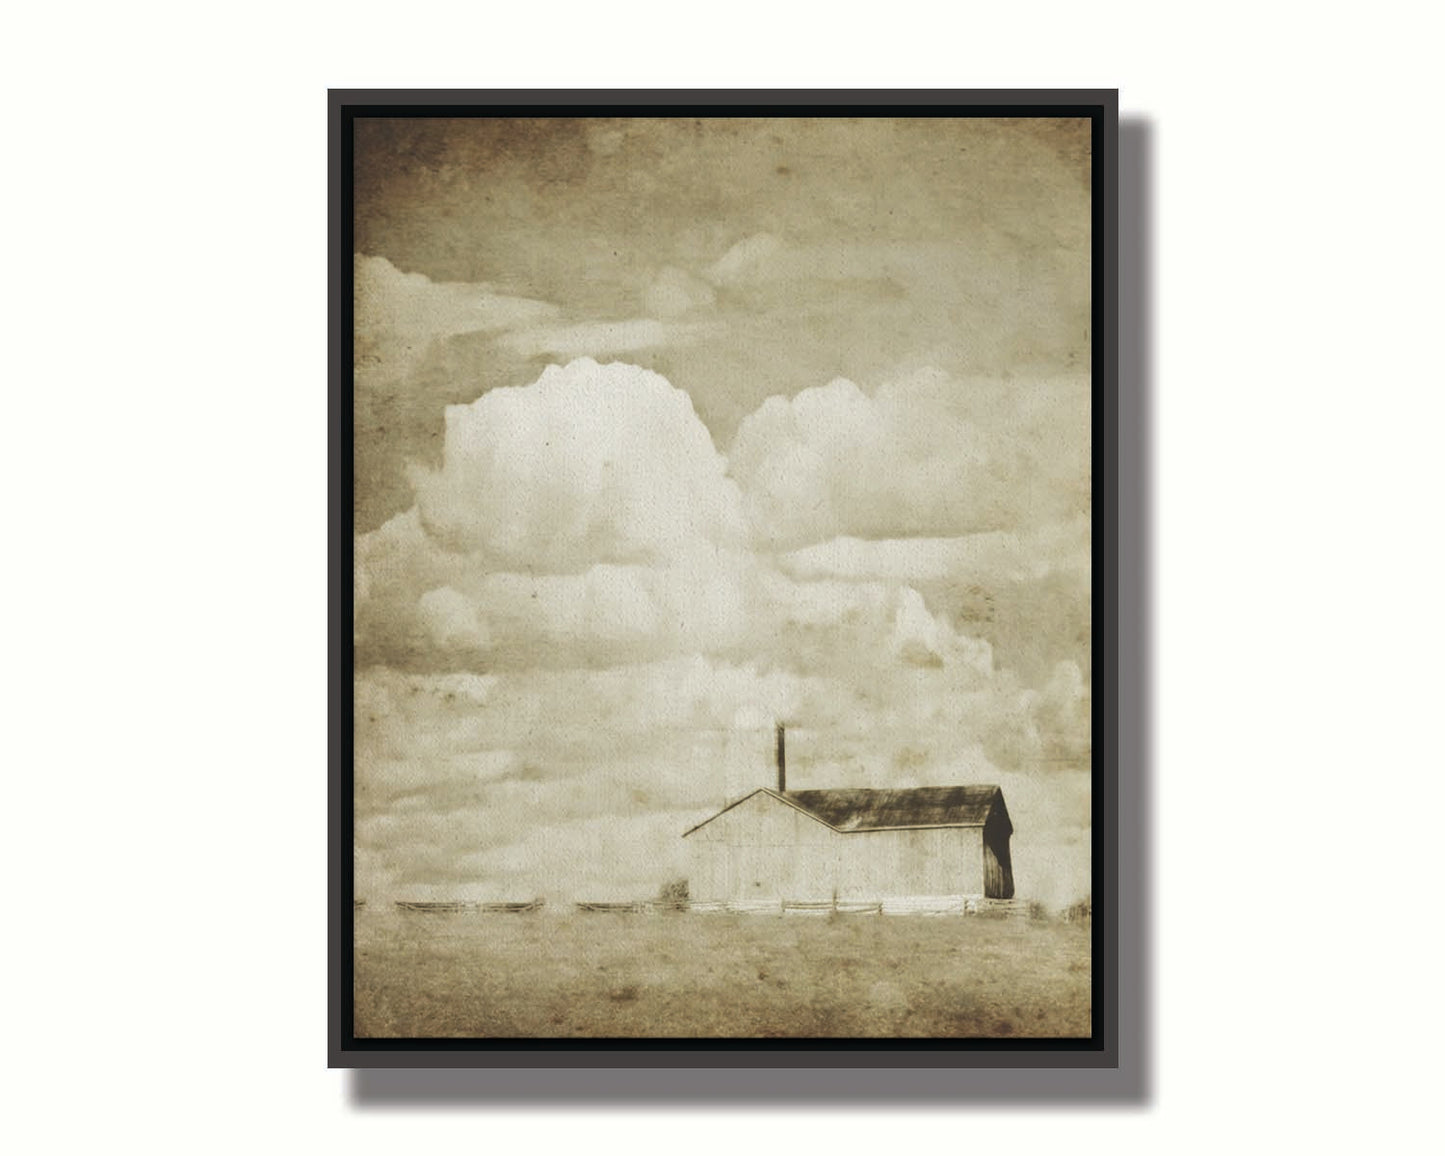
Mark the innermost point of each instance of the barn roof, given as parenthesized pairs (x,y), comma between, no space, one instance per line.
(868,810)
(861,809)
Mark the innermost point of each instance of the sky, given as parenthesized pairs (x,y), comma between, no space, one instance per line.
(668,430)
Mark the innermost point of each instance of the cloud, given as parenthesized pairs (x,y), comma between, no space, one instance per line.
(834,461)
(591,463)
(912,460)
(1061,715)
(924,639)
(450,619)
(675,292)
(996,555)
(1027,594)
(399,315)
(588,520)
(585,519)
(746,259)
(610,614)
(592,338)
(418,345)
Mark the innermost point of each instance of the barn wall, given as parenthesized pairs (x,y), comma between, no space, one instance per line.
(894,864)
(765,849)
(762,849)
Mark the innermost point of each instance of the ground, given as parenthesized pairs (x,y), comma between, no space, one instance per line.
(701,975)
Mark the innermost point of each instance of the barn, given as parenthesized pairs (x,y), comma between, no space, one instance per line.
(854,845)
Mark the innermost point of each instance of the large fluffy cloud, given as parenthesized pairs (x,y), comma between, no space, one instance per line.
(591,463)
(922,456)
(585,519)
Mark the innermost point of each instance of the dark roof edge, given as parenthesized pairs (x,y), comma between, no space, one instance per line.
(772,794)
(782,798)
(909,827)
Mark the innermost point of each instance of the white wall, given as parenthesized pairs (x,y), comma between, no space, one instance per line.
(764,849)
(165,433)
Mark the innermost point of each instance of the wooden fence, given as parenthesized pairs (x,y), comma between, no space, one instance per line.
(920,905)
(465,908)
(925,905)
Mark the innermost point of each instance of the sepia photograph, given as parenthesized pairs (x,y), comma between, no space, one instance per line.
(722,539)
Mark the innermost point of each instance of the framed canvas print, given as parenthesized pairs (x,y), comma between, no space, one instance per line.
(722,612)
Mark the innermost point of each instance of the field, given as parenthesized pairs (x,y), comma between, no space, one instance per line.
(698,976)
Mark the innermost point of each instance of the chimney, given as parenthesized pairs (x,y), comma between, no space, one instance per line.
(782,762)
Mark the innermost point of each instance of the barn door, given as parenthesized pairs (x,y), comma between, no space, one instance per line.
(998,878)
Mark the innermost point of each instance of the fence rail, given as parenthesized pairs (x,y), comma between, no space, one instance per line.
(920,905)
(467,908)
(806,908)
(924,905)
(437,908)
(846,907)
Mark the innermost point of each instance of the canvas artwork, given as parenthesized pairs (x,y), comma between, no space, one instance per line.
(722,522)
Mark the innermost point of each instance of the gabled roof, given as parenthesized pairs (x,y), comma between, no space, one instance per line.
(847,810)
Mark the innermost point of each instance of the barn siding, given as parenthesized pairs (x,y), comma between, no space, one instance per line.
(756,851)
(764,849)
(895,864)
(997,862)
